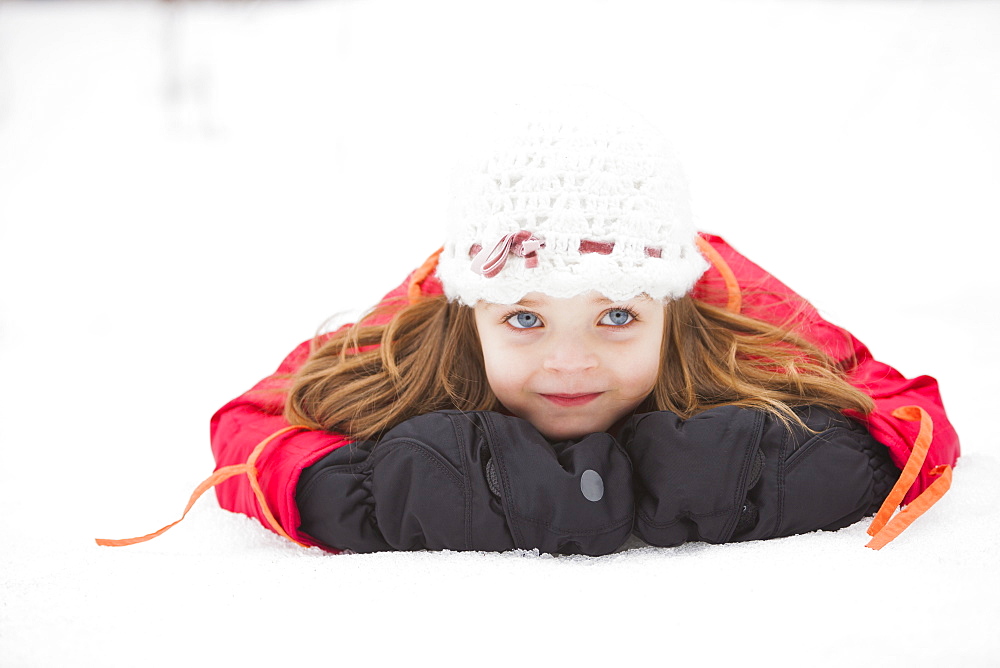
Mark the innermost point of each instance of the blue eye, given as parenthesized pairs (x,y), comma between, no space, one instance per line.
(523,320)
(617,317)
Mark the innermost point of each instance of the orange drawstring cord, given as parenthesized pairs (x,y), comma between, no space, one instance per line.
(735,302)
(224,473)
(882,529)
(414,291)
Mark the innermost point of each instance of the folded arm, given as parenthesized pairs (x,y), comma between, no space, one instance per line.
(734,474)
(470,481)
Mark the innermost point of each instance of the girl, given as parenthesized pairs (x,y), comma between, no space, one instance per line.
(575,365)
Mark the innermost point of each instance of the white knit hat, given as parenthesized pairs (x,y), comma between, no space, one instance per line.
(569,203)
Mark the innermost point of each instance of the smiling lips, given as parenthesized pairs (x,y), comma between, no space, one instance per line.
(572,399)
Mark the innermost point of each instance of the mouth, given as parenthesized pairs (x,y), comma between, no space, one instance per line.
(572,399)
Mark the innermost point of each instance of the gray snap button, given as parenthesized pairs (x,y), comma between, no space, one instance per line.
(592,485)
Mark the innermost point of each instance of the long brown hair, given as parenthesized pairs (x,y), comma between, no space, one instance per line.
(712,357)
(370,377)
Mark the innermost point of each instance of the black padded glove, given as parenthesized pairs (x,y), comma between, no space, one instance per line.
(732,474)
(470,481)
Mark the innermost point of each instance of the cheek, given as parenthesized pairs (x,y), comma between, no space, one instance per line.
(500,364)
(507,375)
(640,366)
(496,374)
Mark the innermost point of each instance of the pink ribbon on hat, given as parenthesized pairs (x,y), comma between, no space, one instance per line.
(490,262)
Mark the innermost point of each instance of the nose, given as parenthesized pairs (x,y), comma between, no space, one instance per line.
(570,354)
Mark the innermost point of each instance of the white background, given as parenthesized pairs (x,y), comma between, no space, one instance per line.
(188,190)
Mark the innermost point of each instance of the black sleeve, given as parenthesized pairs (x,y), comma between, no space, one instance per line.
(734,474)
(470,481)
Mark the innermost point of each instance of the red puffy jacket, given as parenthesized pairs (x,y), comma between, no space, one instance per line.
(250,436)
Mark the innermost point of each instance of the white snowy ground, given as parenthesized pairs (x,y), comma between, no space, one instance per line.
(187,190)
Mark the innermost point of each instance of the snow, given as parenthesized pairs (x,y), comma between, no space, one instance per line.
(187,190)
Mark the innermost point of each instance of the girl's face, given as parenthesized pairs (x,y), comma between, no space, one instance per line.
(571,366)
